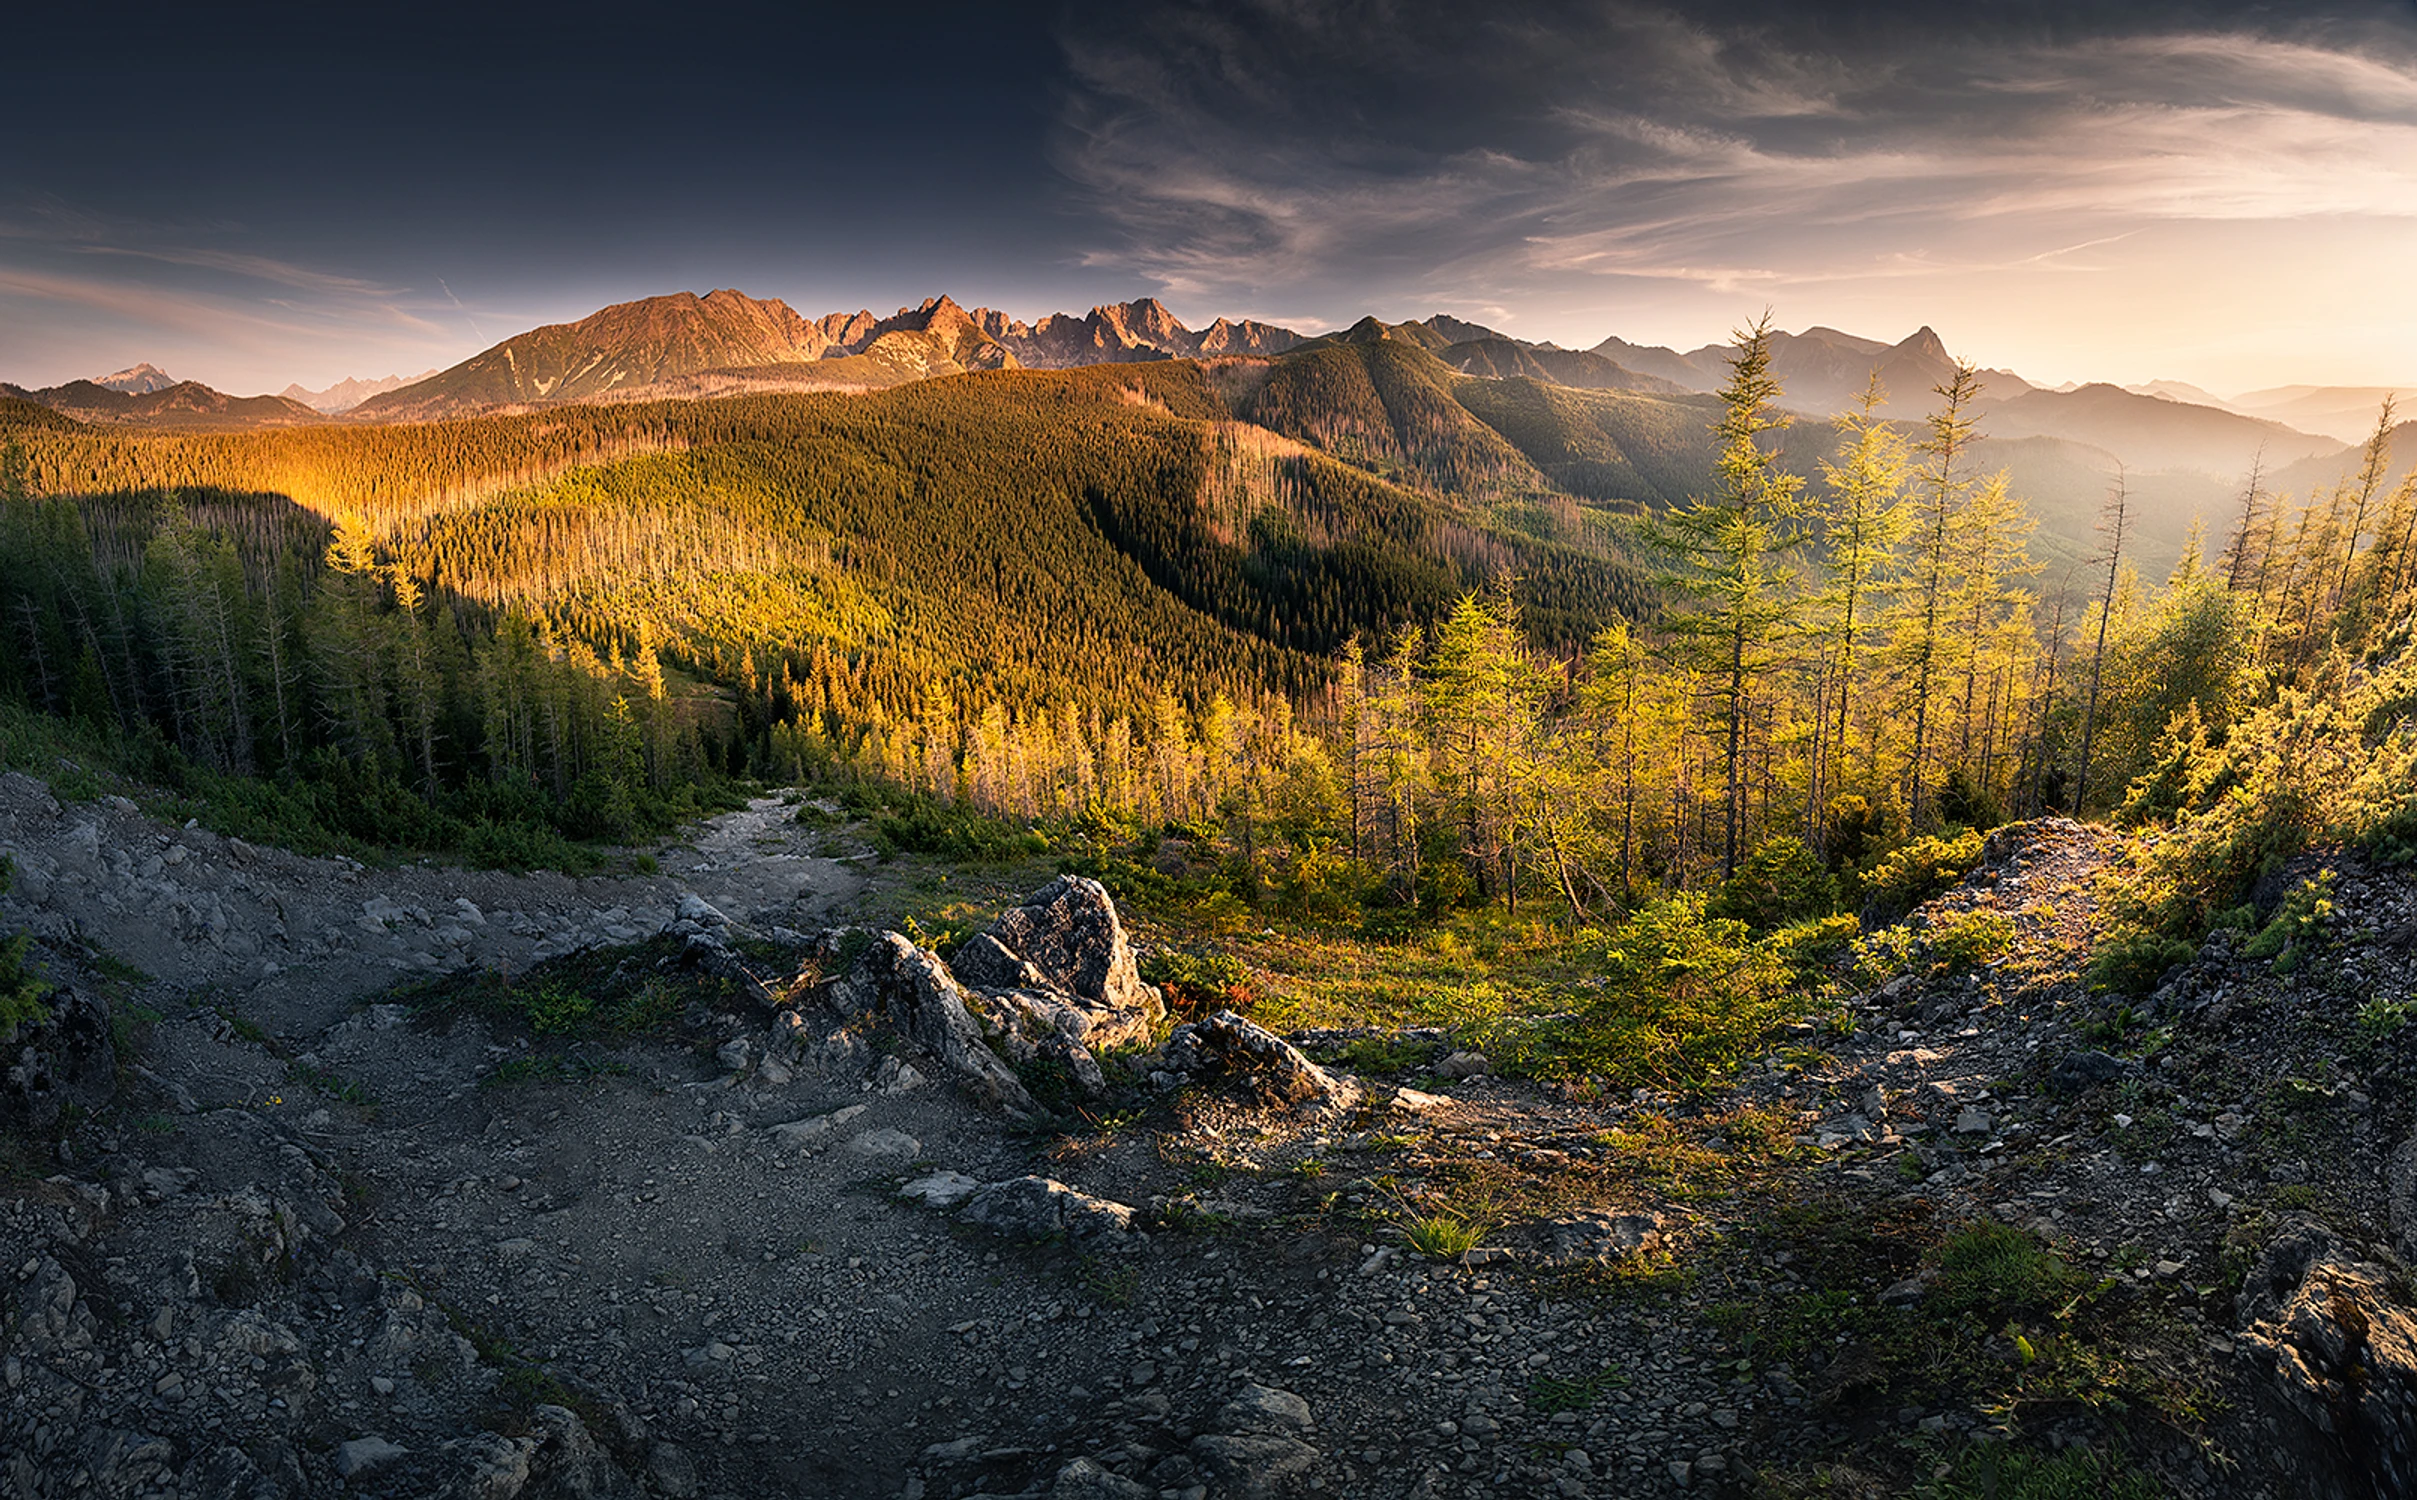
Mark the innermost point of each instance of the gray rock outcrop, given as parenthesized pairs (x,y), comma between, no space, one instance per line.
(2334,1355)
(1259,1453)
(1060,963)
(66,1059)
(918,994)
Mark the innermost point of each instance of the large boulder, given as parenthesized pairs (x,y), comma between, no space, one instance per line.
(1226,1049)
(1064,958)
(2333,1355)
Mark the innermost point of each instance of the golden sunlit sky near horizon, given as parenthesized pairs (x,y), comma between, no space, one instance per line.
(2221,195)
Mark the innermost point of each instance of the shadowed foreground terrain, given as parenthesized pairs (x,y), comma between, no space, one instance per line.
(411,1181)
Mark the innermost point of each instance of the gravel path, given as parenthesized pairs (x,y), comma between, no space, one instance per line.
(318,1243)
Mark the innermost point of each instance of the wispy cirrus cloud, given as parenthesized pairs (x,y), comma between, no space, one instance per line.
(78,286)
(1575,159)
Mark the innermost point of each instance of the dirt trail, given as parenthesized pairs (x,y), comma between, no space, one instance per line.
(319,1242)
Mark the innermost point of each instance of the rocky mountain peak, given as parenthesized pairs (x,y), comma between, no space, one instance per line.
(141,380)
(1924,343)
(1143,321)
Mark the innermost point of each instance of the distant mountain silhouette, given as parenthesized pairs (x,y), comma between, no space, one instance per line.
(2152,432)
(1580,369)
(1822,370)
(350,392)
(187,403)
(2346,412)
(624,347)
(1475,407)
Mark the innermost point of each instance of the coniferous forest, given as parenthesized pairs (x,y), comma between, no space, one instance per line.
(1401,640)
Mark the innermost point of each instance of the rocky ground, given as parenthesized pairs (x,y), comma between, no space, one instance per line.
(306,1206)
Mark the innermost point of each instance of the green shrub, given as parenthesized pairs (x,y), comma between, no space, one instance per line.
(2131,963)
(1854,826)
(1808,947)
(1912,873)
(523,846)
(2332,760)
(1996,1270)
(1964,800)
(1999,1471)
(2298,923)
(2380,1019)
(555,1009)
(21,991)
(1200,984)
(1374,1056)
(924,826)
(1778,884)
(1966,939)
(1318,882)
(1683,999)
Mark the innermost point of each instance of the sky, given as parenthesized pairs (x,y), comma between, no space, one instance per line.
(252,195)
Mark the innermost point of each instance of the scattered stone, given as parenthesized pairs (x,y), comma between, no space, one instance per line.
(2079,1072)
(1603,1237)
(1085,1480)
(1038,1207)
(672,1470)
(803,1135)
(1254,1466)
(363,1454)
(1260,1408)
(941,1190)
(882,1144)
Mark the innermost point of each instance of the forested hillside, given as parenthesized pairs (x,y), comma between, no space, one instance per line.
(573,619)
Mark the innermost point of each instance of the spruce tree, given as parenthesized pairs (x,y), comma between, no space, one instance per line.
(1735,594)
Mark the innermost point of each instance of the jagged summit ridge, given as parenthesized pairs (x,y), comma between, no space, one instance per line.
(686,344)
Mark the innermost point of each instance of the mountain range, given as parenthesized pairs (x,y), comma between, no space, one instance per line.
(186,403)
(1822,370)
(349,392)
(1440,403)
(725,342)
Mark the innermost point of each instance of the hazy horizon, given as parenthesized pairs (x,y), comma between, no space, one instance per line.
(2211,194)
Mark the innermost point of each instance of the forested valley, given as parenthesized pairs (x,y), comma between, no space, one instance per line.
(1372,641)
